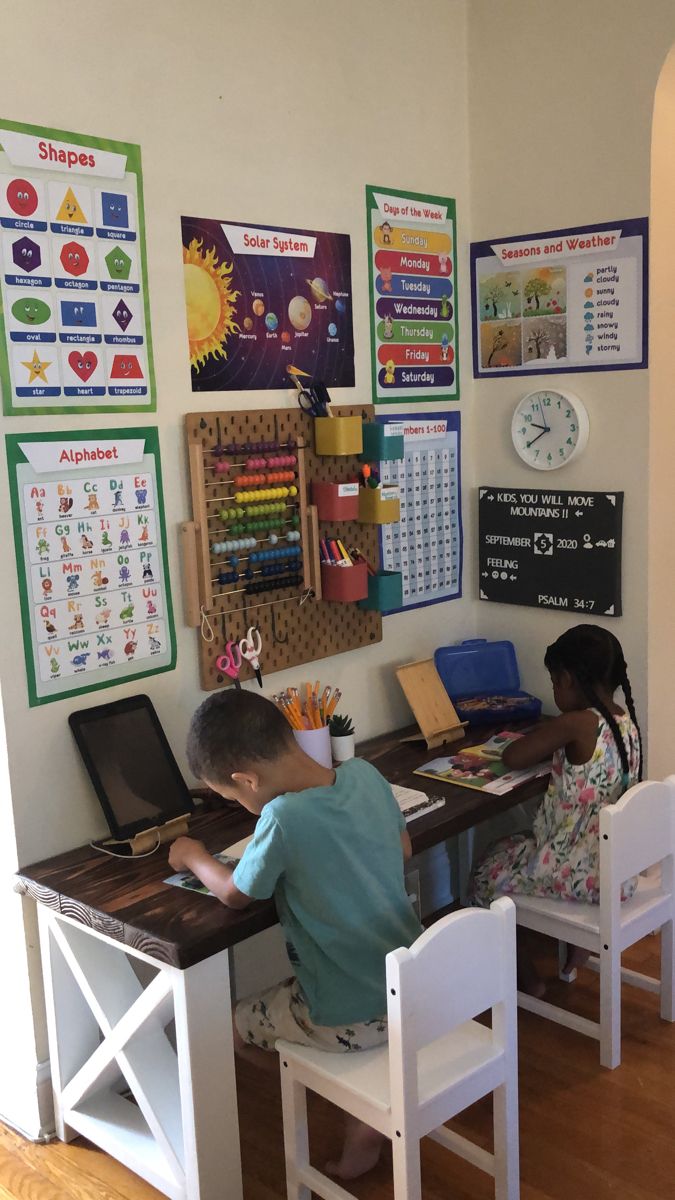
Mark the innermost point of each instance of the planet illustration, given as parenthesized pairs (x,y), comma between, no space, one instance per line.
(271,321)
(319,289)
(332,329)
(300,311)
(258,308)
(285,337)
(248,323)
(340,306)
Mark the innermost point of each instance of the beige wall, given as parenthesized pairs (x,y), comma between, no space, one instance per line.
(254,111)
(561,102)
(662,431)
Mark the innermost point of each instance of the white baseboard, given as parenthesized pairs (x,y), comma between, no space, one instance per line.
(43,1079)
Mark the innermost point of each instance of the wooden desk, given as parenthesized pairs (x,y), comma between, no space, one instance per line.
(123,954)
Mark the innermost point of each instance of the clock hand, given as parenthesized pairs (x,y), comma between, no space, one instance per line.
(539,435)
(545,428)
(542,413)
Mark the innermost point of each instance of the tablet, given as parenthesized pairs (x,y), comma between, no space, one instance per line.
(135,775)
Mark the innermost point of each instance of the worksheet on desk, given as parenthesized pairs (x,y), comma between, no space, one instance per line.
(425,545)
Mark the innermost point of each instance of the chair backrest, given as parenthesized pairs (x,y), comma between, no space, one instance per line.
(637,832)
(459,968)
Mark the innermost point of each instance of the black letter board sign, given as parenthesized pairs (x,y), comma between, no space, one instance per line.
(551,549)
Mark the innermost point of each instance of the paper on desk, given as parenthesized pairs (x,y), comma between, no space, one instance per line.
(230,857)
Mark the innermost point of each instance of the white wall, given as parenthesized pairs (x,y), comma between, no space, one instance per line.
(560,100)
(259,111)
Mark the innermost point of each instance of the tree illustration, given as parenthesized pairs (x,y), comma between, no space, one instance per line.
(499,342)
(494,296)
(538,339)
(536,287)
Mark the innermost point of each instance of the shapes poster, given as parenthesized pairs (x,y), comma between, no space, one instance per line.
(74,317)
(426,544)
(91,558)
(260,300)
(412,265)
(566,300)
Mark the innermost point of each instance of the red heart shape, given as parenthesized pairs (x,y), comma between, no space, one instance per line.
(83,364)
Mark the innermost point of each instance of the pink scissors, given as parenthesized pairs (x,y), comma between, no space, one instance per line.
(250,647)
(230,662)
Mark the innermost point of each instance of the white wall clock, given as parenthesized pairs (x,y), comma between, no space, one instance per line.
(549,428)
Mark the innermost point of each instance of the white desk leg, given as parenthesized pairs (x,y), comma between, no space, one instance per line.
(72,1028)
(205,1049)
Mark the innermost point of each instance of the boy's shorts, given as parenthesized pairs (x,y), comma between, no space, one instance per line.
(281,1012)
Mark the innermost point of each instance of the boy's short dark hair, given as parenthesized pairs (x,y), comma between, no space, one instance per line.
(233,729)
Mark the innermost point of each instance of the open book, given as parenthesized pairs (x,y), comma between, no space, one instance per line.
(481,767)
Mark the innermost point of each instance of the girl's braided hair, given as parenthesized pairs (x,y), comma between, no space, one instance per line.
(595,658)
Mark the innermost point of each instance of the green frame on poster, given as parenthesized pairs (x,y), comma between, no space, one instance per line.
(133,156)
(15,458)
(422,197)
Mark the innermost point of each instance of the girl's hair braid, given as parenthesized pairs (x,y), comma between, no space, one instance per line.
(595,657)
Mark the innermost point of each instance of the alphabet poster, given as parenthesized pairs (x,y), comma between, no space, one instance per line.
(262,299)
(74,317)
(91,557)
(412,266)
(566,300)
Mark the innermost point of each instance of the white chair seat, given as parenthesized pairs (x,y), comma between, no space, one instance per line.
(456,1056)
(576,914)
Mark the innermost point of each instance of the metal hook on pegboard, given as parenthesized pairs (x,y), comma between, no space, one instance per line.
(276,639)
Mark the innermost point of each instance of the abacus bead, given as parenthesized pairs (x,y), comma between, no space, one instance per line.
(231,448)
(293,491)
(291,443)
(234,561)
(273,539)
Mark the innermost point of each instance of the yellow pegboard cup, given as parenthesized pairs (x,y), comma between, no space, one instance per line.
(338,435)
(373,510)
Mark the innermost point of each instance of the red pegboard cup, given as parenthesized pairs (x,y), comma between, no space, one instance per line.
(344,584)
(336,501)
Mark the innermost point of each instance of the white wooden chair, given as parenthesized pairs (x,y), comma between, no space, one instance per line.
(439,1059)
(636,833)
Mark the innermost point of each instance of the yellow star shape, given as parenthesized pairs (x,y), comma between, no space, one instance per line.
(37,368)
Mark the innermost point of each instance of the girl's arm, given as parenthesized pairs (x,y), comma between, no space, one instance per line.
(576,731)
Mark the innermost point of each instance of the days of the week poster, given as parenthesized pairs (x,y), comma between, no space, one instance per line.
(262,299)
(412,265)
(90,548)
(566,300)
(74,318)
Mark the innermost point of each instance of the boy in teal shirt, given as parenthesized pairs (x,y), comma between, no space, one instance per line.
(329,846)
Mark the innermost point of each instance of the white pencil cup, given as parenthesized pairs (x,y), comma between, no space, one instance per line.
(315,743)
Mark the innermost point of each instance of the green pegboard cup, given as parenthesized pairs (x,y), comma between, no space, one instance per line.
(338,435)
(385,592)
(377,446)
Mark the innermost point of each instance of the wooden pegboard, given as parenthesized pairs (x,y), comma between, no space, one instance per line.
(291,633)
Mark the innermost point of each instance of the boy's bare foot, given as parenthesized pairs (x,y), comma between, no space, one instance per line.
(360,1152)
(576,957)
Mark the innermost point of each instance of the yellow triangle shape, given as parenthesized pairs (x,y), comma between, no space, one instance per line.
(70,212)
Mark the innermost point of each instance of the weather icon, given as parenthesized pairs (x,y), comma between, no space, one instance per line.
(319,289)
(300,312)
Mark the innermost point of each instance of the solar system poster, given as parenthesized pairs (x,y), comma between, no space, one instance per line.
(261,299)
(74,312)
(412,267)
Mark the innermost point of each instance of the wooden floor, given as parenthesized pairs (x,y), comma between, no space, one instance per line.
(585,1132)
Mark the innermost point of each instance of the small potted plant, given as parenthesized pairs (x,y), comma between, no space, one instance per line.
(341,737)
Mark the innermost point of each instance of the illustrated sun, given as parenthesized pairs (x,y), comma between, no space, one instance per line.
(210,303)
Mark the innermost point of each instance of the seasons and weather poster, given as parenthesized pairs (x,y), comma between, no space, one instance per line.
(412,264)
(74,317)
(564,300)
(261,299)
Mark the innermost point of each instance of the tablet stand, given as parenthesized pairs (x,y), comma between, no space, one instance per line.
(432,707)
(149,839)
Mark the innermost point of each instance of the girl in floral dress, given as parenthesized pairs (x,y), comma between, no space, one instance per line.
(597,755)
